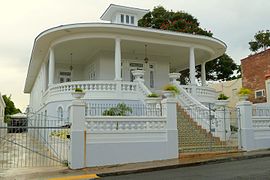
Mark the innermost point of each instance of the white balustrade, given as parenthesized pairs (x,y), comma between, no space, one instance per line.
(261,122)
(202,91)
(99,86)
(116,124)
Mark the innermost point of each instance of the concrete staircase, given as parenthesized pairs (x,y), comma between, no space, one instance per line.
(193,138)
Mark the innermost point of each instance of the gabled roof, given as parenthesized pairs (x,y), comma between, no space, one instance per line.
(113,8)
(2,100)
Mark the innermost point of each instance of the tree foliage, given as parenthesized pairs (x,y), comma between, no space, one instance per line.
(261,41)
(160,18)
(10,107)
(180,21)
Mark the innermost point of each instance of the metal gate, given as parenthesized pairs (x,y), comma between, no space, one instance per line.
(36,142)
(211,129)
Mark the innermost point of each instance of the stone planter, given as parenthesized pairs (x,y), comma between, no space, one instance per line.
(243,97)
(138,75)
(222,102)
(152,100)
(169,94)
(174,76)
(78,95)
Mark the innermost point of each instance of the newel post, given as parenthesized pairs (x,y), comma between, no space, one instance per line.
(77,143)
(170,112)
(246,131)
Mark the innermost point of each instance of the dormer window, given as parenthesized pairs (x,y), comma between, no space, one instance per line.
(127,19)
(123,15)
(131,19)
(122,18)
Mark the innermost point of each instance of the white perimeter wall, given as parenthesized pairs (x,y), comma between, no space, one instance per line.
(118,148)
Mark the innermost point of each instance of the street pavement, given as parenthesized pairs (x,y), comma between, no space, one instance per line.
(258,169)
(211,165)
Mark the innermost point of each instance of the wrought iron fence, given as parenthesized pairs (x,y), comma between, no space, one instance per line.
(122,109)
(33,142)
(220,135)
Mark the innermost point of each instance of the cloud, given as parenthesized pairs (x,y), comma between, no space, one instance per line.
(233,21)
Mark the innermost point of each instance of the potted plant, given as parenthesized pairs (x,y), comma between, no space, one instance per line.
(222,100)
(152,98)
(78,93)
(121,109)
(243,93)
(170,90)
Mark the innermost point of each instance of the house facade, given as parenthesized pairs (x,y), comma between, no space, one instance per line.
(118,62)
(255,75)
(100,56)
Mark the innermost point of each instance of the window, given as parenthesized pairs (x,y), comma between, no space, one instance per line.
(60,113)
(69,113)
(132,19)
(151,68)
(64,77)
(259,93)
(122,18)
(127,19)
(151,79)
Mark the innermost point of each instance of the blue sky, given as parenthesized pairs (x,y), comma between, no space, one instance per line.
(233,21)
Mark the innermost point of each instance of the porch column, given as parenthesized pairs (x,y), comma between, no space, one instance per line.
(203,74)
(192,71)
(117,59)
(51,67)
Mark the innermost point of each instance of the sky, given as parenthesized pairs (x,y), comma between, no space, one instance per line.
(233,21)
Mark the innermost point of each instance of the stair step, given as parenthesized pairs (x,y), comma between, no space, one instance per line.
(192,137)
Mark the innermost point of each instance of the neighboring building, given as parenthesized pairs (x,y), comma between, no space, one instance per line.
(2,108)
(255,70)
(230,89)
(19,120)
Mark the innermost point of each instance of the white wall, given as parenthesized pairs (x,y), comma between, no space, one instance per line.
(2,108)
(36,94)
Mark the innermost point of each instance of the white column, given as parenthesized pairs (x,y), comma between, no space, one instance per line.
(170,112)
(246,138)
(117,59)
(192,71)
(203,74)
(51,67)
(77,153)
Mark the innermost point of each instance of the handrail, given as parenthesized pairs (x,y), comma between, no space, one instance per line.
(194,107)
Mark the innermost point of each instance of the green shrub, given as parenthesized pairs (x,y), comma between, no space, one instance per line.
(78,90)
(154,95)
(244,91)
(222,96)
(120,110)
(173,88)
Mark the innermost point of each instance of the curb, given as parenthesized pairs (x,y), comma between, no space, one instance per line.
(214,161)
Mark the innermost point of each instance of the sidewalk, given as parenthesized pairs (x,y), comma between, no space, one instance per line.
(184,161)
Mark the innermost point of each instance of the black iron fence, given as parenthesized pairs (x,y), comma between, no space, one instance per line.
(122,109)
(214,128)
(33,143)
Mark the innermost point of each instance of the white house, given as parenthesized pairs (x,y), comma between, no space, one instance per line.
(100,56)
(103,59)
(2,109)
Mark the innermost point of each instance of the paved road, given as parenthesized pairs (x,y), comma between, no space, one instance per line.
(250,169)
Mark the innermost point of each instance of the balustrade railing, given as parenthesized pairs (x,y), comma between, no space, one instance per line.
(200,91)
(98,86)
(261,117)
(115,124)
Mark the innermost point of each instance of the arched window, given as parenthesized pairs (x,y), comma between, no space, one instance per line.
(60,113)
